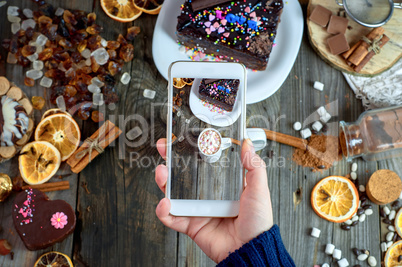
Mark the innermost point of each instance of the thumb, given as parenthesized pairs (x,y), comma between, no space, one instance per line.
(256,177)
(250,159)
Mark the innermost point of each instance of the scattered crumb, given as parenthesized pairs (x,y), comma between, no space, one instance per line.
(85,186)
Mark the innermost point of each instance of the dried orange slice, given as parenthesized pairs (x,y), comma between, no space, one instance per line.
(121,10)
(149,7)
(178,83)
(392,255)
(188,81)
(398,223)
(62,131)
(54,111)
(335,199)
(38,162)
(54,259)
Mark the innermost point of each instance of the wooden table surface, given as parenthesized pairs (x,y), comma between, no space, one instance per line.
(116,221)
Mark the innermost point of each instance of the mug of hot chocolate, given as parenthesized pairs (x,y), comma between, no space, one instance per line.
(211,144)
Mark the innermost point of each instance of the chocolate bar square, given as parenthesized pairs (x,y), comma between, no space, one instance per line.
(241,32)
(337,25)
(320,15)
(221,92)
(338,44)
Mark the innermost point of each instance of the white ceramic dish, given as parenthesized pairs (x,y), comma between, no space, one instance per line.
(260,84)
(204,113)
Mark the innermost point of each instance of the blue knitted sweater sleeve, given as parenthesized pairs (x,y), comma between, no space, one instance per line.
(266,249)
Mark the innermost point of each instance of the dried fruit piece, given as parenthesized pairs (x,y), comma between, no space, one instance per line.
(97,116)
(38,162)
(132,32)
(335,199)
(127,52)
(123,11)
(28,50)
(147,6)
(60,130)
(113,45)
(55,259)
(5,247)
(114,68)
(29,82)
(38,102)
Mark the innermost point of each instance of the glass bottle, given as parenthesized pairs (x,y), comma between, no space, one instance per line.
(376,135)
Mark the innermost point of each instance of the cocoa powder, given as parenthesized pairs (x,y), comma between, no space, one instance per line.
(321,153)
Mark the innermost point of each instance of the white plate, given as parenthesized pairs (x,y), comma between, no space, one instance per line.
(260,84)
(206,115)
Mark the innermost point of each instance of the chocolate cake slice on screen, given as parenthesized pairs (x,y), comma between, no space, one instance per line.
(240,31)
(219,92)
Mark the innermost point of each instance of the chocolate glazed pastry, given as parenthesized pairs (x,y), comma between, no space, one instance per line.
(41,222)
(243,32)
(221,93)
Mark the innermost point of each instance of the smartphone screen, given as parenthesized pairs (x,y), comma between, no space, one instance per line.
(207,127)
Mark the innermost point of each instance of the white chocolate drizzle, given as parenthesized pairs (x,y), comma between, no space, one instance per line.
(15,123)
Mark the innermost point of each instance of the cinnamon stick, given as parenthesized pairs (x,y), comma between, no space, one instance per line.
(236,142)
(347,54)
(49,187)
(101,133)
(368,57)
(109,138)
(361,52)
(286,139)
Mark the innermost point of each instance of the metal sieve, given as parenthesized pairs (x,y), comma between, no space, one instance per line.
(369,13)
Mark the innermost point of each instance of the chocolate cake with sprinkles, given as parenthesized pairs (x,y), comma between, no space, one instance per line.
(219,92)
(241,31)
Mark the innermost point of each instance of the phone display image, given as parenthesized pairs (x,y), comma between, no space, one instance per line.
(205,163)
(206,123)
(219,92)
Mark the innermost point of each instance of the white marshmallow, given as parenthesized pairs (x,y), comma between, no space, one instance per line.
(348,222)
(391,228)
(343,263)
(325,118)
(368,212)
(372,261)
(329,249)
(297,126)
(315,232)
(355,218)
(353,175)
(391,215)
(305,133)
(386,210)
(362,188)
(337,254)
(325,265)
(321,111)
(362,257)
(389,236)
(389,244)
(317,126)
(362,217)
(354,167)
(383,246)
(318,85)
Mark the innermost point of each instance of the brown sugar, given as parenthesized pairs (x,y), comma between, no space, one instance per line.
(321,153)
(384,187)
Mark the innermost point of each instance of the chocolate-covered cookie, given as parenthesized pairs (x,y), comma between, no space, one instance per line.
(41,222)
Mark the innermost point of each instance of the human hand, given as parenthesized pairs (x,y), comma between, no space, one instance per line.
(218,237)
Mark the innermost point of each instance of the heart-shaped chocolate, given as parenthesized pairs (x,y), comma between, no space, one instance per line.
(41,222)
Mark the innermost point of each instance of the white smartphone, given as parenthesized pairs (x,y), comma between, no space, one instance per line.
(206,123)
